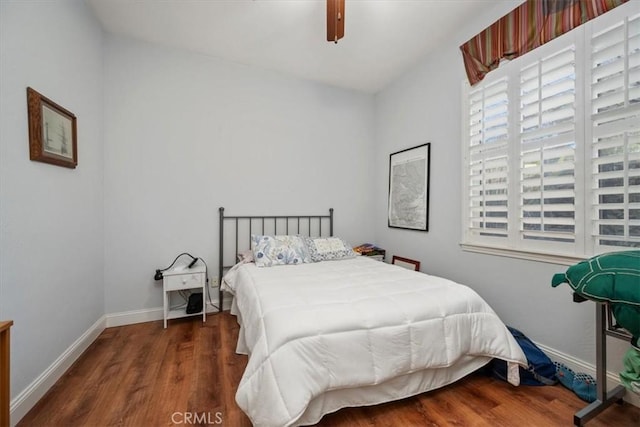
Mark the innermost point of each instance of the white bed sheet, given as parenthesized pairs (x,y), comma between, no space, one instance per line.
(332,334)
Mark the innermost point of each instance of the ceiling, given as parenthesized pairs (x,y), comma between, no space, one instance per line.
(382,37)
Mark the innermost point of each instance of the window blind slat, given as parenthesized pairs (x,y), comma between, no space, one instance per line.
(560,132)
(613,67)
(608,37)
(606,54)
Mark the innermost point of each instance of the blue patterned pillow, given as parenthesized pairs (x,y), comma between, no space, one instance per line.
(328,248)
(278,250)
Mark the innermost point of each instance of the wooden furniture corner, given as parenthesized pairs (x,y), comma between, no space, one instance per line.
(5,397)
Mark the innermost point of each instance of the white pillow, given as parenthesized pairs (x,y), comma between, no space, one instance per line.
(328,248)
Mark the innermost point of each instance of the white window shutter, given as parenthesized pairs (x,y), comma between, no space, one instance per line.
(487,160)
(615,121)
(547,148)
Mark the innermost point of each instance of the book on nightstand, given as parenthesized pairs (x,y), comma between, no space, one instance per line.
(370,250)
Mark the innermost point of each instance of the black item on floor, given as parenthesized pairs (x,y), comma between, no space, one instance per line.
(195,303)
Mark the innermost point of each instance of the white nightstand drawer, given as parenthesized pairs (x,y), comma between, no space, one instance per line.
(184,281)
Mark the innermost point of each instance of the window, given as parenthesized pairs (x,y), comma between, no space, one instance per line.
(552,146)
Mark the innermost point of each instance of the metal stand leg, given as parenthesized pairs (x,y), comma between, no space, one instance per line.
(604,399)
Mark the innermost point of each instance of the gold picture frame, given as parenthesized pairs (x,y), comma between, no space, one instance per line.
(52,132)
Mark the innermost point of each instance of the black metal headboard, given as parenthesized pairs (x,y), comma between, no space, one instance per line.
(243,226)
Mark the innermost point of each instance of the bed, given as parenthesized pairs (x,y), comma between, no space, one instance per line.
(325,335)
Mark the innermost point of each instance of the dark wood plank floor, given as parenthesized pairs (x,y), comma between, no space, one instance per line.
(144,375)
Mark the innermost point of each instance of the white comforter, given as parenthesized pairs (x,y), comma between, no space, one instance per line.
(314,328)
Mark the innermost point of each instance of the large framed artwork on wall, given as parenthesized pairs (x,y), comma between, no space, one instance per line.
(409,188)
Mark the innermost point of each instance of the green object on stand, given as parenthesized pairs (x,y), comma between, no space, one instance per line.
(613,277)
(630,376)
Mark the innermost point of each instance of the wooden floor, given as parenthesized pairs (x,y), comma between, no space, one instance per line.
(144,375)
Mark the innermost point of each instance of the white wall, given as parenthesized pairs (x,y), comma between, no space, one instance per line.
(186,134)
(425,106)
(51,218)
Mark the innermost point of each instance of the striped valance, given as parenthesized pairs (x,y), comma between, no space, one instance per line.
(532,24)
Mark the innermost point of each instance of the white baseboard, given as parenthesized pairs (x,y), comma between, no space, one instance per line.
(27,399)
(578,365)
(150,314)
(134,316)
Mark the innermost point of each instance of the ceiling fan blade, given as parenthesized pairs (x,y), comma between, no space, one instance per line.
(335,20)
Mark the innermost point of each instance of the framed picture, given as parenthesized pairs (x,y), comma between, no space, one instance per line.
(409,264)
(409,188)
(52,132)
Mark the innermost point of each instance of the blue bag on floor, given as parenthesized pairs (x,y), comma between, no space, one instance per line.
(541,370)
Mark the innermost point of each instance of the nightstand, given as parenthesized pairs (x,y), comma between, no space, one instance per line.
(184,279)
